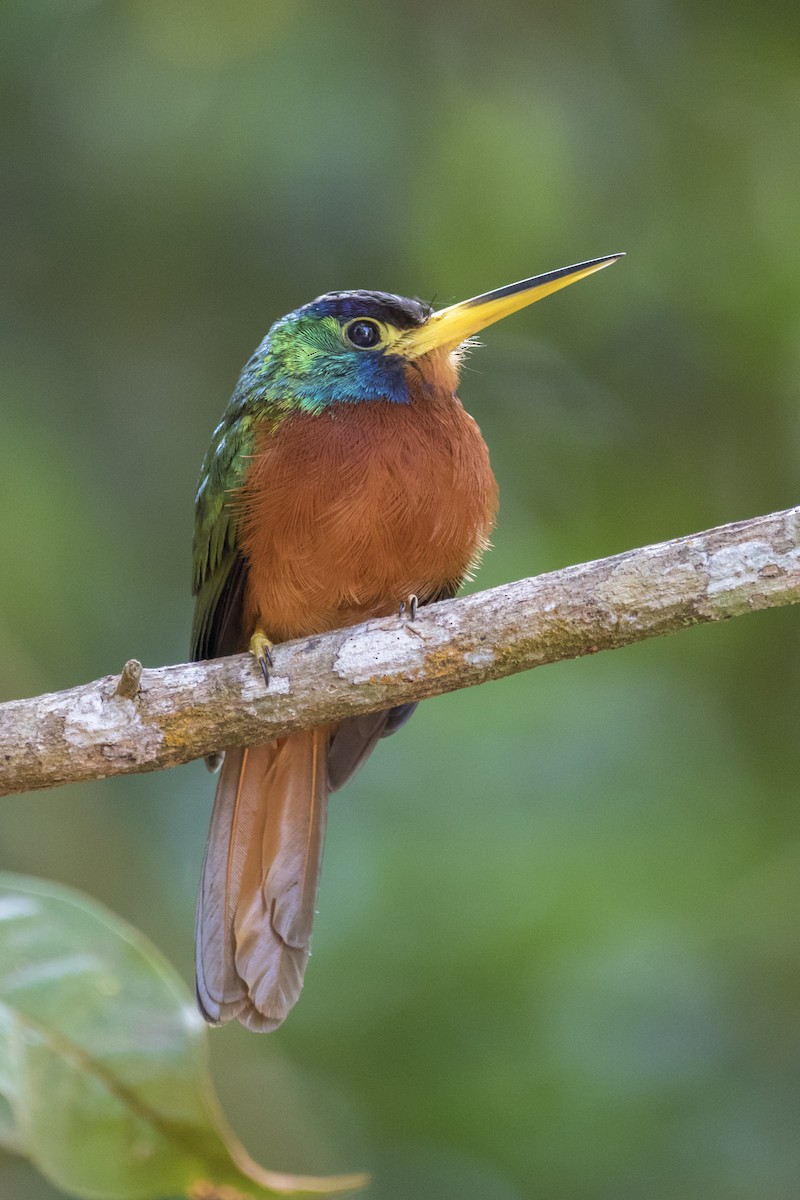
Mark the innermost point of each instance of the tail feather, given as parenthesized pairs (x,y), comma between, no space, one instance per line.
(260,877)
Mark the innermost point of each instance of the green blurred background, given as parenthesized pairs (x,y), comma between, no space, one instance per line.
(558,948)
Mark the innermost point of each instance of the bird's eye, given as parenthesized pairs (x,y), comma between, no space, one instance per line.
(363,334)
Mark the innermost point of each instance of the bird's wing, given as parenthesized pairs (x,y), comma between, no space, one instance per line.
(354,739)
(219,569)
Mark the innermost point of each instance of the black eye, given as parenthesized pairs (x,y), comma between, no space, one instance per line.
(363,334)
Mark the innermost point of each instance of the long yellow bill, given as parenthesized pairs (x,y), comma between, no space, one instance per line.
(451,326)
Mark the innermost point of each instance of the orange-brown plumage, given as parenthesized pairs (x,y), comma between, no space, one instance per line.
(342,515)
(348,512)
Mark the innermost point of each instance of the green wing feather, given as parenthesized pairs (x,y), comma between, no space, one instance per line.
(218,566)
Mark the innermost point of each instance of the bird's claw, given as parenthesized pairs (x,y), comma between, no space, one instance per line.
(261,649)
(409,605)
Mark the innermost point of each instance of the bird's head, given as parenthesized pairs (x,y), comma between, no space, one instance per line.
(347,347)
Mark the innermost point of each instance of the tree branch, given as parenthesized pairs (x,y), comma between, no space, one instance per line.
(144,720)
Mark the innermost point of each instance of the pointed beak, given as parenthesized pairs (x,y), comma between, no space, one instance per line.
(451,326)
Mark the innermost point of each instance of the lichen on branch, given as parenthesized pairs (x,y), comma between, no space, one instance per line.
(154,718)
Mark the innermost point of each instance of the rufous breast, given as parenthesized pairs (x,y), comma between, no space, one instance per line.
(348,511)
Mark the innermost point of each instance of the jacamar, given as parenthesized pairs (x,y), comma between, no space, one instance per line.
(345,480)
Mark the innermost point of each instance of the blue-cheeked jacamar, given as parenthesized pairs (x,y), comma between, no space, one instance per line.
(344,480)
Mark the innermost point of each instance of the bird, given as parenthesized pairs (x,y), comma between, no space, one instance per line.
(345,481)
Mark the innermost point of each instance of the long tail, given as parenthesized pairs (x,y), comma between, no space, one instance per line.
(257,895)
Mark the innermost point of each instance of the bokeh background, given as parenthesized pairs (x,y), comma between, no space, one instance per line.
(558,947)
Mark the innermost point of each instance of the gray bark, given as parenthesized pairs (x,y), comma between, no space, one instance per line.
(144,720)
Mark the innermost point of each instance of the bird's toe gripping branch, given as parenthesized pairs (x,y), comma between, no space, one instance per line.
(409,605)
(261,649)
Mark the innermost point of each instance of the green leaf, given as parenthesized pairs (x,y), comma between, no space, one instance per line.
(104,1079)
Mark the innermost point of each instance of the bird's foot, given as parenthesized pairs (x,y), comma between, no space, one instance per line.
(409,605)
(261,650)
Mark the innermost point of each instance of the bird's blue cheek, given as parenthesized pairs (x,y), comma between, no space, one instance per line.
(381,377)
(338,379)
